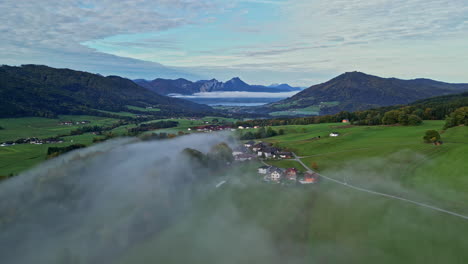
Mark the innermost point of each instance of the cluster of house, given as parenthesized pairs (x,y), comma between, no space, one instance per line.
(291,175)
(33,140)
(70,123)
(266,150)
(243,153)
(210,128)
(251,150)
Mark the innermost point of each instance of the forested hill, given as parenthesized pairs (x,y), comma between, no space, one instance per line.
(35,90)
(453,108)
(358,91)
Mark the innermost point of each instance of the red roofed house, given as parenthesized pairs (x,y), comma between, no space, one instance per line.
(291,174)
(310,178)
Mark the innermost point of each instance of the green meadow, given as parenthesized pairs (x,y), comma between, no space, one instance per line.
(18,158)
(391,159)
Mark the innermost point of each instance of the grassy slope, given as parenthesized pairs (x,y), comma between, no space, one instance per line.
(390,159)
(254,222)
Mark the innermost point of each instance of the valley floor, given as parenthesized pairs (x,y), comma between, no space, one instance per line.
(246,221)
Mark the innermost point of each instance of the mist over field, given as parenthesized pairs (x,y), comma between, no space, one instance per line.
(90,205)
(127,201)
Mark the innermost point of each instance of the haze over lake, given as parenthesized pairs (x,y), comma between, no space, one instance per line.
(236,98)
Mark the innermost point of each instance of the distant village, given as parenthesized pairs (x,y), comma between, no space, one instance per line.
(33,140)
(264,151)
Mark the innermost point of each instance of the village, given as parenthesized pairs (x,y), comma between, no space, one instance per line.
(251,150)
(33,140)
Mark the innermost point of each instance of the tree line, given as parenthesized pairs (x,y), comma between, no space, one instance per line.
(451,107)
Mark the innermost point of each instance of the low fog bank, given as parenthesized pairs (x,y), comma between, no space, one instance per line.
(88,205)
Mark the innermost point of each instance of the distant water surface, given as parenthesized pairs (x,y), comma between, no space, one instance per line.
(235,98)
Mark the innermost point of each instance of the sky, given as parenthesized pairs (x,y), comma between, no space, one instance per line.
(300,42)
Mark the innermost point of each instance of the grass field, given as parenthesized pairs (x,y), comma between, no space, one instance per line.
(389,159)
(15,128)
(15,159)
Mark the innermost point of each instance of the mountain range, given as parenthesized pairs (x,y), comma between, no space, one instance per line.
(186,87)
(353,91)
(36,90)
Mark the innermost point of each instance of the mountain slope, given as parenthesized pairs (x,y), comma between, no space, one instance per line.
(35,90)
(357,91)
(185,87)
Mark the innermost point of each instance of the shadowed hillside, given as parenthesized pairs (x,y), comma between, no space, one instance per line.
(33,90)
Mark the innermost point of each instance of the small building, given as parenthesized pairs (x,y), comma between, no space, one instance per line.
(310,178)
(291,174)
(345,121)
(259,146)
(249,144)
(334,134)
(240,127)
(264,170)
(284,155)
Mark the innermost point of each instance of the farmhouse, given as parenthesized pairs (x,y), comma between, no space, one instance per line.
(334,134)
(345,121)
(284,155)
(259,146)
(291,174)
(267,152)
(310,178)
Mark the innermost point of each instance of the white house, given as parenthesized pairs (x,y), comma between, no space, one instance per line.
(275,175)
(334,134)
(240,127)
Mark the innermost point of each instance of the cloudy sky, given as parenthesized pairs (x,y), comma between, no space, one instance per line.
(301,42)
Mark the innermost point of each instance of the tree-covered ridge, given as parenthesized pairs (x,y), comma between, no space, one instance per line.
(35,90)
(358,91)
(452,107)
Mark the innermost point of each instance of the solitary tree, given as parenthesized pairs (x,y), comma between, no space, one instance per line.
(431,136)
(314,165)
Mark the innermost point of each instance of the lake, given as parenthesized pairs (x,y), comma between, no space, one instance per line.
(235,98)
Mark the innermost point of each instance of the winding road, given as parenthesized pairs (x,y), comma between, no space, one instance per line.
(298,159)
